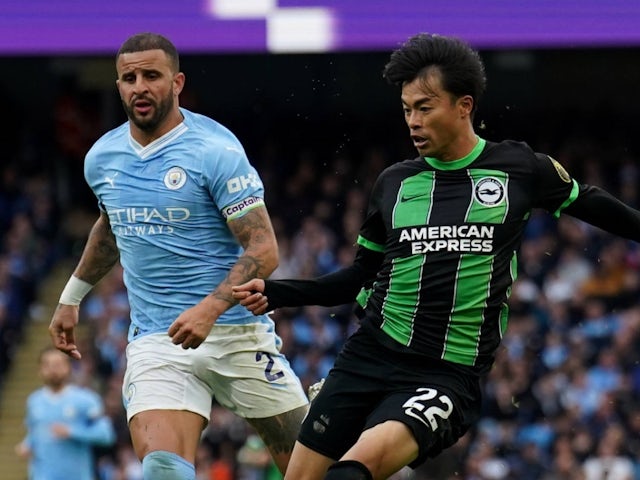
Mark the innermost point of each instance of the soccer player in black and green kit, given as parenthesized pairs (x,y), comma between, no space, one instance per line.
(434,268)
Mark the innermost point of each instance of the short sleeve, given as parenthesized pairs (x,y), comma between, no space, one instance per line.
(373,235)
(234,184)
(555,188)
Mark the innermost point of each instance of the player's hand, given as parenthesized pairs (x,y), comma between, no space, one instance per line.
(60,430)
(61,329)
(22,450)
(192,326)
(250,296)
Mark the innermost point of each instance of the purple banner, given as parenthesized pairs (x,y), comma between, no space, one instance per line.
(69,27)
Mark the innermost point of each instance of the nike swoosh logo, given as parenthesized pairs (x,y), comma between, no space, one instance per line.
(412,197)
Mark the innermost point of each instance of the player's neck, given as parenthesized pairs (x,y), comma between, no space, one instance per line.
(57,388)
(461,146)
(144,137)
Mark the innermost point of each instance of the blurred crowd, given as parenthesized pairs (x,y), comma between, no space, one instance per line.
(561,403)
(28,222)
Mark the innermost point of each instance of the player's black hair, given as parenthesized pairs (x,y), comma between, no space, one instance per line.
(461,68)
(141,42)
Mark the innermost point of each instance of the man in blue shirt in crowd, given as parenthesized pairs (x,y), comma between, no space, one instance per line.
(64,423)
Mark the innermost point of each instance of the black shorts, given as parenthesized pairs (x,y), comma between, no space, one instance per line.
(371,384)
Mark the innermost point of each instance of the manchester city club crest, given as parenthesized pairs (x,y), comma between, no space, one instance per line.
(175,178)
(129,393)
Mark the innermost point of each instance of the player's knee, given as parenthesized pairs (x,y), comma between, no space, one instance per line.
(161,465)
(348,470)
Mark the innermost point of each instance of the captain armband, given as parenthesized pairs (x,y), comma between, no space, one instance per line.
(74,291)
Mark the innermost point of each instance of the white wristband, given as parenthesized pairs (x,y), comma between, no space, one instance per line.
(74,291)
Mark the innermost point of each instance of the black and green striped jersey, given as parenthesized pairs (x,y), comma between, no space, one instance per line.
(449,232)
(437,254)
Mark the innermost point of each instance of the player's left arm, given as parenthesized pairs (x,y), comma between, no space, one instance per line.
(601,209)
(23,449)
(255,234)
(99,432)
(96,429)
(560,193)
(260,258)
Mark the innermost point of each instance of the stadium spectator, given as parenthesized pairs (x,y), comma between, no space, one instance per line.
(28,250)
(609,461)
(65,422)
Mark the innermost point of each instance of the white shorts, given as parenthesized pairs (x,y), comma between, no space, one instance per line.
(240,365)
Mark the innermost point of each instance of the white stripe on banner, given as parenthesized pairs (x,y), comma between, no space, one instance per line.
(241,9)
(289,29)
(300,30)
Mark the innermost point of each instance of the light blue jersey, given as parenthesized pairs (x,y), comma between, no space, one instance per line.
(80,410)
(168,204)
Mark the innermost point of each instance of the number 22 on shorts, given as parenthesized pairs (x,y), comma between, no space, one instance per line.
(426,407)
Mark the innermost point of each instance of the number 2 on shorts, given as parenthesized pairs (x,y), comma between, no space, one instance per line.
(270,376)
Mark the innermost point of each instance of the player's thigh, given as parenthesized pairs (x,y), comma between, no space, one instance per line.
(338,414)
(167,405)
(307,464)
(432,416)
(160,376)
(385,448)
(176,431)
(249,376)
(279,433)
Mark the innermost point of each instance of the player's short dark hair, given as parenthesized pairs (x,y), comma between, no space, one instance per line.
(461,68)
(141,42)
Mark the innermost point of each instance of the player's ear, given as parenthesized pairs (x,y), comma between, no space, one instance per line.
(178,83)
(465,105)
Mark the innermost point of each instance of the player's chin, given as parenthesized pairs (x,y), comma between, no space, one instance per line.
(422,149)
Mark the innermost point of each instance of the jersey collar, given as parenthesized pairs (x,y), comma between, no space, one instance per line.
(461,162)
(158,143)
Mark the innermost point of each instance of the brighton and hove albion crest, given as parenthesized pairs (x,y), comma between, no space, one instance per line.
(175,178)
(489,191)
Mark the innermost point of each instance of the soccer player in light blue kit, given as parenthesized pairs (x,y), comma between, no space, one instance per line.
(183,210)
(64,423)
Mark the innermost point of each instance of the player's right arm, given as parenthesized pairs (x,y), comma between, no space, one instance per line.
(336,288)
(99,256)
(23,450)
